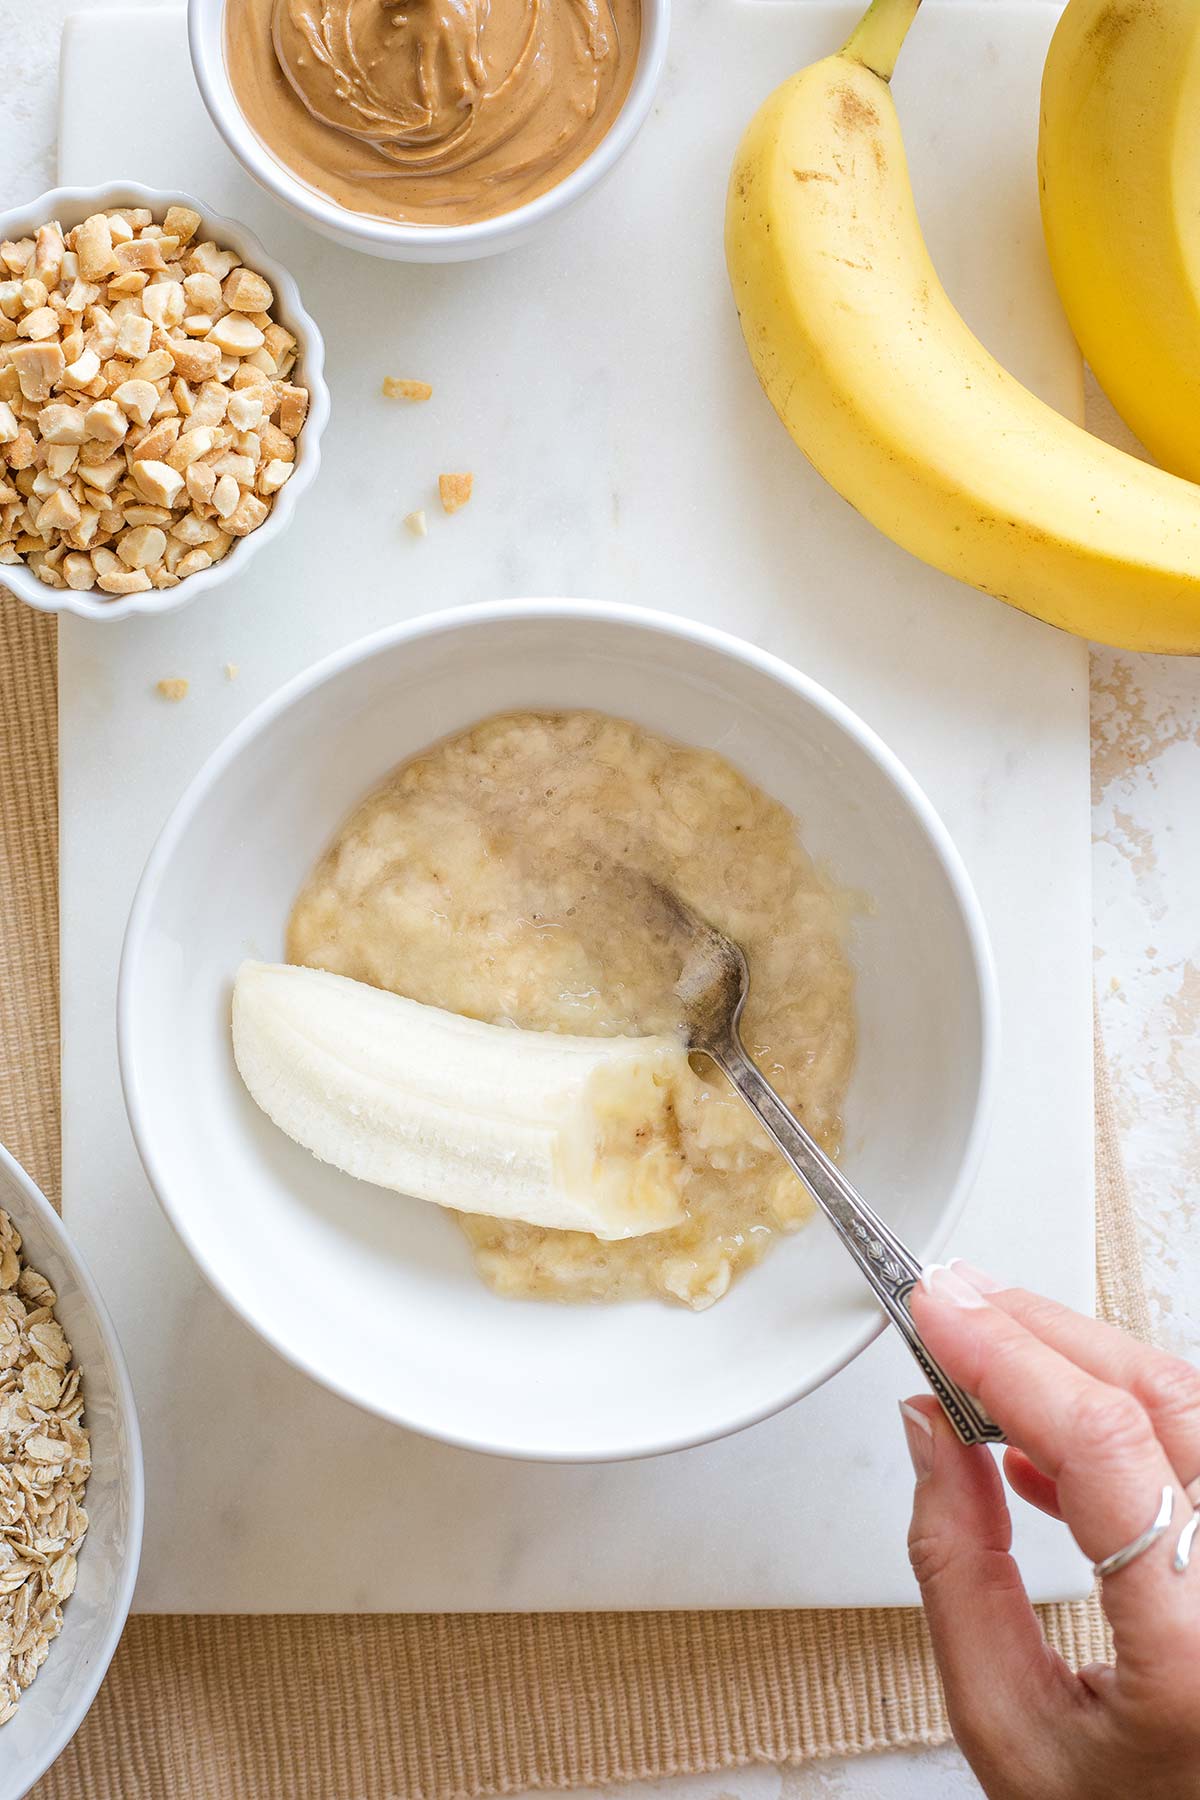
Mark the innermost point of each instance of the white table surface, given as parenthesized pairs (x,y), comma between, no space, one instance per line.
(1146,766)
(124,759)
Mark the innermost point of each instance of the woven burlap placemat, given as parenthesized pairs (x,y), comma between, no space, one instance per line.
(424,1707)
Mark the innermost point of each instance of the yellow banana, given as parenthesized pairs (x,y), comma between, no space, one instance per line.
(900,407)
(1120,181)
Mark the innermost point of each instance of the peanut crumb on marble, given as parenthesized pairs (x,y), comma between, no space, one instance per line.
(399,387)
(416,522)
(231,671)
(455,491)
(172,687)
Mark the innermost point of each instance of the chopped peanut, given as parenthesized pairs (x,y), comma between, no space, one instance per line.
(22,451)
(104,476)
(398,387)
(105,420)
(455,491)
(245,411)
(235,334)
(94,247)
(59,513)
(246,292)
(193,562)
(201,483)
(247,516)
(133,338)
(159,483)
(78,570)
(196,361)
(82,372)
(273,477)
(129,581)
(60,424)
(137,399)
(38,367)
(225,496)
(182,223)
(240,467)
(163,304)
(293,409)
(140,548)
(147,418)
(141,254)
(158,442)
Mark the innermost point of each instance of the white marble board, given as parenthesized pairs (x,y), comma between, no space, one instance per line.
(596,384)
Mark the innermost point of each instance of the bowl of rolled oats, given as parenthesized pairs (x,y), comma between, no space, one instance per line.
(162,400)
(70,1485)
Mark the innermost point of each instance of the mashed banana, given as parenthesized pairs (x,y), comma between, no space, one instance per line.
(478,878)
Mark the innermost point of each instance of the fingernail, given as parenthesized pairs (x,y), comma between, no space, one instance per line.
(983,1284)
(918,1435)
(945,1284)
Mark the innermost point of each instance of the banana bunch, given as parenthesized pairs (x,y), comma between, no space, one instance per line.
(897,403)
(1119,158)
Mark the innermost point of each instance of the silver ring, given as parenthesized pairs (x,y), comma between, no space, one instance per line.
(1121,1558)
(1183,1549)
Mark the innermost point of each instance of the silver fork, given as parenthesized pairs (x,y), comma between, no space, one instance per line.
(713,985)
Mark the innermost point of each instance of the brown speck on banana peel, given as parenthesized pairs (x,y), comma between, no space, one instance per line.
(812,175)
(1110,26)
(855,113)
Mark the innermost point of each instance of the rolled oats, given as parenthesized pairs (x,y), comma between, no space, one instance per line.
(140,375)
(45,1461)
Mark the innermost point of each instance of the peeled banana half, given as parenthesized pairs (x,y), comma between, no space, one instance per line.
(574,1133)
(900,407)
(1119,159)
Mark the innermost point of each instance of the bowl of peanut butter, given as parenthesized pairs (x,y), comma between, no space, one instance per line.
(428,130)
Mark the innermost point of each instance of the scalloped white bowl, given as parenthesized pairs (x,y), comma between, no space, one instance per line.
(52,1710)
(413,1334)
(71,205)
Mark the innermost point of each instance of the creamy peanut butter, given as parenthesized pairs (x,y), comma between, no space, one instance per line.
(434,112)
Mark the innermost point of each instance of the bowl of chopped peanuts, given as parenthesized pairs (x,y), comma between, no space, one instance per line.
(162,400)
(71,1485)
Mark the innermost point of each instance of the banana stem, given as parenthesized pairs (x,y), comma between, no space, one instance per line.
(877,39)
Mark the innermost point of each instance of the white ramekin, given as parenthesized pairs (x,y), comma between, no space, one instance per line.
(416,243)
(427,1345)
(72,205)
(52,1710)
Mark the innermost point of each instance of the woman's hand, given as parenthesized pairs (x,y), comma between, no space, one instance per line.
(1098,1425)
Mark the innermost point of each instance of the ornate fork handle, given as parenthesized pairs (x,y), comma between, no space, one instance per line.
(890,1268)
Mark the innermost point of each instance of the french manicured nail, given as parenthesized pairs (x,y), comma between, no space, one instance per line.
(983,1284)
(918,1435)
(946,1284)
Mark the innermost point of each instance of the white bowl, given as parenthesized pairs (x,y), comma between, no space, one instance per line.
(416,243)
(71,206)
(52,1710)
(373,1294)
